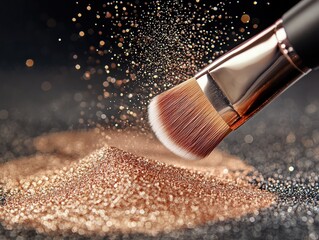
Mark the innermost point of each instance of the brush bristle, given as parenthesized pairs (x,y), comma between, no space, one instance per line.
(185,121)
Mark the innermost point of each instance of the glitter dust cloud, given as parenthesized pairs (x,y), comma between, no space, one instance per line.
(78,160)
(144,48)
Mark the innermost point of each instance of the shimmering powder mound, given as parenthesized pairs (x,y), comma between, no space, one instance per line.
(111,191)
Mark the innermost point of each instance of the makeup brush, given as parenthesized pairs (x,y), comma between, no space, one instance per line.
(193,117)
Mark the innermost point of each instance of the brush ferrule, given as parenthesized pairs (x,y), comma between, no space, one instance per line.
(242,81)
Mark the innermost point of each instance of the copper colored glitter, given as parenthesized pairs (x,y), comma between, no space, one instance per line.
(101,190)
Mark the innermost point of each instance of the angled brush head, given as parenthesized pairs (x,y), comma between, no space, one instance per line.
(184,120)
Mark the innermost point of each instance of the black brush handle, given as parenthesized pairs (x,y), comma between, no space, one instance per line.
(302,27)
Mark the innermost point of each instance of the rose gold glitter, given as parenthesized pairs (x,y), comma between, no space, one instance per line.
(79,144)
(77,185)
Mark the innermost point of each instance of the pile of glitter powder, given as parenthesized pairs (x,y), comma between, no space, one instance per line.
(71,188)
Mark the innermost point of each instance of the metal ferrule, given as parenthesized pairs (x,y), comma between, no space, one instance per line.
(242,81)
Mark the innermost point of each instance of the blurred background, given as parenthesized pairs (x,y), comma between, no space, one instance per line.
(52,78)
(55,77)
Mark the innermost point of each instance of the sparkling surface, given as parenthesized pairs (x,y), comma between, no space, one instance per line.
(281,141)
(98,192)
(141,48)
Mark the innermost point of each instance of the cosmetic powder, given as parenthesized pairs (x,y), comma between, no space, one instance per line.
(79,183)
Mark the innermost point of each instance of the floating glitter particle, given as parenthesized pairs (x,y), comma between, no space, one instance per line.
(29,63)
(249,138)
(46,86)
(149,47)
(245,18)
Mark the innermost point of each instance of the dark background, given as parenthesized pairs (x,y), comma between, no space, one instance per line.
(32,29)
(27,33)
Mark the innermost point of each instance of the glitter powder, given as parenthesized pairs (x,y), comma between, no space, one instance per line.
(73,188)
(285,136)
(245,18)
(148,46)
(29,63)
